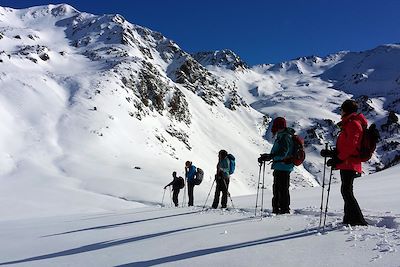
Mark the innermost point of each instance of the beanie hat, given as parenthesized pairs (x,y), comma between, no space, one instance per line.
(349,106)
(222,153)
(278,124)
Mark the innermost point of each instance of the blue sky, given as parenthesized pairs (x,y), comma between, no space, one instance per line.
(258,31)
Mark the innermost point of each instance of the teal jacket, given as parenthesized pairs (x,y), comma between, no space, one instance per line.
(223,167)
(282,148)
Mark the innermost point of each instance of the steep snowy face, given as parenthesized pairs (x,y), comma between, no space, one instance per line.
(96,107)
(221,58)
(374,72)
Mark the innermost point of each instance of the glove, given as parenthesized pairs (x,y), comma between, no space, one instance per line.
(333,162)
(264,157)
(328,153)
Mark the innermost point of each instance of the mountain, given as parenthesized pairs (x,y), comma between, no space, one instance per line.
(98,111)
(308,91)
(225,58)
(96,108)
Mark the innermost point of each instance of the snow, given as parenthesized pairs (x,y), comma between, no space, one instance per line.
(172,236)
(82,166)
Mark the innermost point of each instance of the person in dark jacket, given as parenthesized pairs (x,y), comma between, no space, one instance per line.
(190,174)
(345,159)
(281,150)
(222,180)
(177,184)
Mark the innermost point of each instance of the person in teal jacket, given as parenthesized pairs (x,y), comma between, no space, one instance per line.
(281,150)
(222,179)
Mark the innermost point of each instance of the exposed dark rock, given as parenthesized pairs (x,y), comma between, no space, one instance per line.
(34,60)
(180,135)
(225,58)
(178,107)
(44,56)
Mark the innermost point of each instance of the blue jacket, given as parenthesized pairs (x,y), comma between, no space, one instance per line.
(191,173)
(282,148)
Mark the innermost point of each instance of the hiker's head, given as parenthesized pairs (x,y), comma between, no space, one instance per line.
(222,154)
(278,124)
(188,164)
(349,106)
(174,174)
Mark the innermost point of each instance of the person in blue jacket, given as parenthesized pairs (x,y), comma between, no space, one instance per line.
(281,150)
(190,174)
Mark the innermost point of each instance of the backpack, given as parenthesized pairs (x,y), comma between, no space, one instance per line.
(199,176)
(181,182)
(369,139)
(232,164)
(298,154)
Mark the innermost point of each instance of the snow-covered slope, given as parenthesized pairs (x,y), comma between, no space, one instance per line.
(156,236)
(97,112)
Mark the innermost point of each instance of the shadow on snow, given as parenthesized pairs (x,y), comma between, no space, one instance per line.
(207,251)
(121,224)
(111,243)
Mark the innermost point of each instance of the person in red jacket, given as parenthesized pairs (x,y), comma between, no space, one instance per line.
(345,158)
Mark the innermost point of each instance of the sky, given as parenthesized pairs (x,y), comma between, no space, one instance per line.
(259,31)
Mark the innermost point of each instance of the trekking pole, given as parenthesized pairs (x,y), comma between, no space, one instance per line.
(327,197)
(323,189)
(162,201)
(262,191)
(208,194)
(170,196)
(229,194)
(258,189)
(184,195)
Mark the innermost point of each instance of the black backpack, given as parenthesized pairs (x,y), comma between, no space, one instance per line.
(181,182)
(369,139)
(199,176)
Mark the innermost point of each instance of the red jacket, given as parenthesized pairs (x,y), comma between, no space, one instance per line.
(349,141)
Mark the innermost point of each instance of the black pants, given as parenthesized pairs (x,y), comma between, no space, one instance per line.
(175,193)
(190,186)
(352,211)
(222,186)
(280,190)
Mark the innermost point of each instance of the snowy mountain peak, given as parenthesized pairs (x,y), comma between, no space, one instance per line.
(221,58)
(57,11)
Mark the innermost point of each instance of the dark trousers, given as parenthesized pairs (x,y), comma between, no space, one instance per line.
(175,193)
(280,190)
(352,211)
(190,186)
(222,186)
